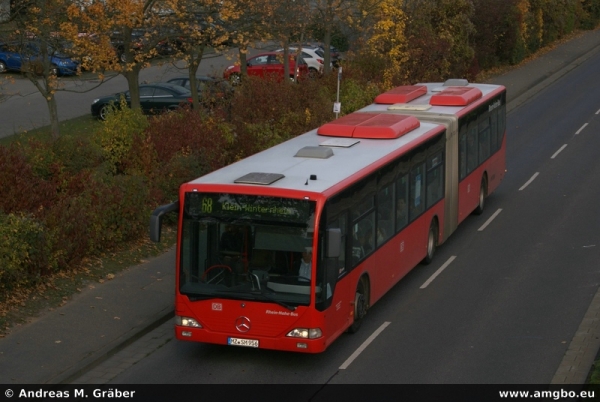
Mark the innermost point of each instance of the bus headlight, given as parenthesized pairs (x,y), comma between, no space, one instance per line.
(305,333)
(187,322)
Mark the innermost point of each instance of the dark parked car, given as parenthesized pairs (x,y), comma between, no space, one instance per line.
(154,98)
(210,90)
(14,56)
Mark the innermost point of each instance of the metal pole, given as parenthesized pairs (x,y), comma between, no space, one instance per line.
(337,106)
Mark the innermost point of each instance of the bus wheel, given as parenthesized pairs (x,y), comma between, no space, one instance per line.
(432,238)
(482,196)
(361,304)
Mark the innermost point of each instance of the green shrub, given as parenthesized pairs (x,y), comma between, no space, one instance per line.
(117,134)
(354,95)
(25,247)
(590,14)
(41,157)
(265,135)
(122,209)
(77,153)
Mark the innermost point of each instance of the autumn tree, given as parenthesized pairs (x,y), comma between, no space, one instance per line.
(288,21)
(37,39)
(387,41)
(248,23)
(376,31)
(439,35)
(590,14)
(199,25)
(121,35)
(494,32)
(327,15)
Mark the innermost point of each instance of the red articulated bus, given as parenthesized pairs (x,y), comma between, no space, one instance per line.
(288,249)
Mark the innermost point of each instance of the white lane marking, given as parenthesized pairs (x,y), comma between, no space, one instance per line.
(364,345)
(439,271)
(598,112)
(489,220)
(559,151)
(529,181)
(581,129)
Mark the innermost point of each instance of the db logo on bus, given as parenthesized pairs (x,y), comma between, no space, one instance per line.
(217,307)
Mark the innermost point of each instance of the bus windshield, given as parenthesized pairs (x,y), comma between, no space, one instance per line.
(246,247)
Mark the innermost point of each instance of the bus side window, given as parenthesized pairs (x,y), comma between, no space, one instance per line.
(363,229)
(501,124)
(462,152)
(385,213)
(472,150)
(494,130)
(340,222)
(435,178)
(417,191)
(484,138)
(401,202)
(364,236)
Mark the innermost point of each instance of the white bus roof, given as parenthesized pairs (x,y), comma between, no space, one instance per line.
(423,103)
(345,161)
(289,165)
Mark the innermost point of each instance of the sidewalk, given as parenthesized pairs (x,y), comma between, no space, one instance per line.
(95,324)
(65,343)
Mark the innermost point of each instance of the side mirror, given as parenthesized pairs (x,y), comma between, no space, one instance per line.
(334,242)
(156,219)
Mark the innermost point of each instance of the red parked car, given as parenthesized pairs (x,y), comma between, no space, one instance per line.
(265,65)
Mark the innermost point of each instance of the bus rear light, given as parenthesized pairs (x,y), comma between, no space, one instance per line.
(305,333)
(187,322)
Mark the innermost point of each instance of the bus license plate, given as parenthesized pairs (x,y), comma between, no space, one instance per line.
(251,343)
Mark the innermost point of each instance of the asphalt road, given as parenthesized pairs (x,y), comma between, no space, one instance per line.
(517,283)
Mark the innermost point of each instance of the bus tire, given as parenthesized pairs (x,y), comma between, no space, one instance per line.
(482,196)
(432,240)
(361,304)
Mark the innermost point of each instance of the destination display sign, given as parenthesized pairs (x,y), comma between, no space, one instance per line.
(240,206)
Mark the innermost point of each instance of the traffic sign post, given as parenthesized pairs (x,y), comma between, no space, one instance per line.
(337,106)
